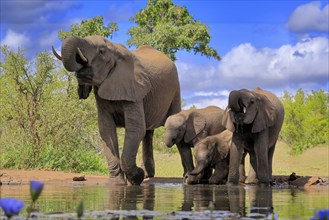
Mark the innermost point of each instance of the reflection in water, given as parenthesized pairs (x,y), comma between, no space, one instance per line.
(130,197)
(195,198)
(166,201)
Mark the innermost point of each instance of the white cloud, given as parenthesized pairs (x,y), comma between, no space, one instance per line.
(48,39)
(219,93)
(309,17)
(204,102)
(15,40)
(307,60)
(303,65)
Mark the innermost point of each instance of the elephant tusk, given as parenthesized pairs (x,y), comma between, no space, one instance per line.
(82,56)
(244,110)
(55,53)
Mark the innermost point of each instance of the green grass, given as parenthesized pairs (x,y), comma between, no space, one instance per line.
(312,162)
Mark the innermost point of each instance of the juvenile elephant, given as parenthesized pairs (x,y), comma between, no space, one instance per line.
(255,118)
(188,127)
(136,90)
(213,151)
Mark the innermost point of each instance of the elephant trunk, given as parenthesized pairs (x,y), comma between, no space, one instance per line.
(237,107)
(200,167)
(234,101)
(169,140)
(72,56)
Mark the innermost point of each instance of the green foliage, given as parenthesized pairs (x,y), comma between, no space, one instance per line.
(306,121)
(170,28)
(41,117)
(92,26)
(158,142)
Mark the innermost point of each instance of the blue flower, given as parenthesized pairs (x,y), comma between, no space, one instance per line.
(321,215)
(36,189)
(11,206)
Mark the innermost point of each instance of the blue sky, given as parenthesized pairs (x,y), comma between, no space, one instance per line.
(276,45)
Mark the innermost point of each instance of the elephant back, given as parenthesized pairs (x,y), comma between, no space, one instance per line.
(157,63)
(213,116)
(164,97)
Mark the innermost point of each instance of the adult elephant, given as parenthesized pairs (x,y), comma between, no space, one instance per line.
(255,118)
(188,127)
(136,90)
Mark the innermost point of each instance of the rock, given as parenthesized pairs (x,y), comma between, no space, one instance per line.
(305,181)
(79,178)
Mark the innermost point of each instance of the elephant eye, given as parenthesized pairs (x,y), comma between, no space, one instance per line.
(252,101)
(102,51)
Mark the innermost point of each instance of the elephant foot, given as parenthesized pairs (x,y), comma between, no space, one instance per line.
(217,181)
(117,180)
(242,179)
(188,179)
(264,185)
(230,183)
(148,173)
(250,180)
(137,177)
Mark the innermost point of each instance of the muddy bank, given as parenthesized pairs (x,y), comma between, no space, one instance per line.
(17,177)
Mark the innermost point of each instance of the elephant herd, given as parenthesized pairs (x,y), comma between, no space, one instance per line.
(139,90)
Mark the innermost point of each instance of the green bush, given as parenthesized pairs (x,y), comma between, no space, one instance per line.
(43,124)
(306,121)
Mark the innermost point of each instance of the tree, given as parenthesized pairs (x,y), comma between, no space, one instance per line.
(306,120)
(92,26)
(40,125)
(170,28)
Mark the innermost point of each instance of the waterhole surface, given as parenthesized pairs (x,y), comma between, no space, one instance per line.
(170,201)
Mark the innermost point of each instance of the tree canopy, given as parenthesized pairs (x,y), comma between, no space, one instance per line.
(306,122)
(92,26)
(170,28)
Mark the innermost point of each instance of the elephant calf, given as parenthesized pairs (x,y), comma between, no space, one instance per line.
(212,152)
(190,126)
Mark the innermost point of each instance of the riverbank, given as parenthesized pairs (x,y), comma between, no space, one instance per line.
(22,177)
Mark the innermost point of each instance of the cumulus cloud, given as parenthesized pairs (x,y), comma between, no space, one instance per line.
(245,66)
(309,18)
(28,12)
(15,40)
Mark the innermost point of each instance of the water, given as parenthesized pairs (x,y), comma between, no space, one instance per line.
(172,201)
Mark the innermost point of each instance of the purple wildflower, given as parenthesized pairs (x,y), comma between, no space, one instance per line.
(321,215)
(36,189)
(11,206)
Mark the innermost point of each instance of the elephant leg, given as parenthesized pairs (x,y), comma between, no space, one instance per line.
(270,160)
(242,171)
(107,130)
(221,173)
(236,153)
(261,150)
(148,159)
(251,179)
(186,157)
(135,130)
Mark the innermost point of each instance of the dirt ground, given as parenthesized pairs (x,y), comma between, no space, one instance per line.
(17,177)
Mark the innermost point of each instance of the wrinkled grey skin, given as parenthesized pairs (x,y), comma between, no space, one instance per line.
(190,126)
(255,118)
(213,151)
(136,90)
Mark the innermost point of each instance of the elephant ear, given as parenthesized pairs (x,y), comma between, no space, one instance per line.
(265,116)
(84,91)
(225,142)
(128,81)
(228,120)
(195,124)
